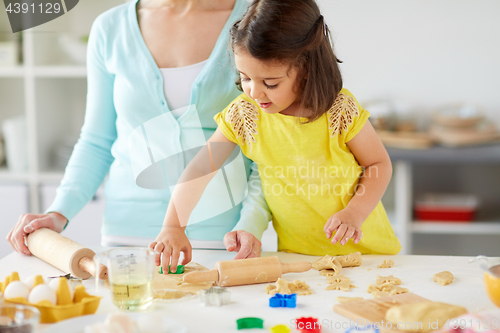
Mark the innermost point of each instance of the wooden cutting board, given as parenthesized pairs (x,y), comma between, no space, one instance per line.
(373,310)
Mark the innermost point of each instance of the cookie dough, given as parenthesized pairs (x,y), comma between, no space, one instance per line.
(387,279)
(340,282)
(443,278)
(342,299)
(387,263)
(386,286)
(388,291)
(282,286)
(423,314)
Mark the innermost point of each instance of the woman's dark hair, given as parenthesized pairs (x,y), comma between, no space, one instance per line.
(293,31)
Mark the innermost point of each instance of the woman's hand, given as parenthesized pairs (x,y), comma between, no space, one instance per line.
(346,224)
(169,244)
(246,244)
(28,223)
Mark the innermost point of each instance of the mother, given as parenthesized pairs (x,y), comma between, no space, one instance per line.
(148,61)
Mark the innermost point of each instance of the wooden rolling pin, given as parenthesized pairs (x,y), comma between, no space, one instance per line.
(63,253)
(247,271)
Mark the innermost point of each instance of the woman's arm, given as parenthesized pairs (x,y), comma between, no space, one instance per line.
(91,157)
(199,172)
(372,155)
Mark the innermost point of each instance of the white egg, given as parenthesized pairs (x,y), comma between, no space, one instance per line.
(54,284)
(150,323)
(42,292)
(121,320)
(16,289)
(29,281)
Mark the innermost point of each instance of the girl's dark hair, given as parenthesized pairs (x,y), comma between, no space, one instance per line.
(293,31)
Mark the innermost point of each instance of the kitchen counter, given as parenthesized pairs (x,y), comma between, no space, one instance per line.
(416,273)
(488,153)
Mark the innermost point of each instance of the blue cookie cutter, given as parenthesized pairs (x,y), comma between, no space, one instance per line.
(283,301)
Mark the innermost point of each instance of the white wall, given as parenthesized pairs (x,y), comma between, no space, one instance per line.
(423,52)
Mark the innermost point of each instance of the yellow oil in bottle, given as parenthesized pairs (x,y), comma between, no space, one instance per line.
(132,295)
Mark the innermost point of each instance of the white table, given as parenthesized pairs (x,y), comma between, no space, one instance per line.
(251,301)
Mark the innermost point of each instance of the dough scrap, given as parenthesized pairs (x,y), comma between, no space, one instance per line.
(378,294)
(387,263)
(443,278)
(336,263)
(328,263)
(282,286)
(387,279)
(350,260)
(424,313)
(343,299)
(340,282)
(328,272)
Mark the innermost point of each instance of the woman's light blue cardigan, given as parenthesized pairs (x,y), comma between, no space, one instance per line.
(125,93)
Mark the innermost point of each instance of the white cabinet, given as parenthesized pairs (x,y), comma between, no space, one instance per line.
(49,89)
(85,227)
(13,203)
(440,170)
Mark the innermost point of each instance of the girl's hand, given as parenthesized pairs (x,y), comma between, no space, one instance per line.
(28,223)
(169,244)
(346,225)
(247,245)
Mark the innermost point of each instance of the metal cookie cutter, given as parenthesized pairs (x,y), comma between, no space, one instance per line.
(215,296)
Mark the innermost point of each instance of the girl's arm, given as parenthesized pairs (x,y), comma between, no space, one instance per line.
(372,155)
(172,238)
(254,220)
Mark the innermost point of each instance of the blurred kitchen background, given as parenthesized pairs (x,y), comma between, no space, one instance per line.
(427,70)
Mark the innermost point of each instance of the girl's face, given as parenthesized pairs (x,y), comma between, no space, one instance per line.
(271,84)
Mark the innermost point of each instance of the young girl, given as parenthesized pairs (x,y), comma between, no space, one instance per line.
(323,168)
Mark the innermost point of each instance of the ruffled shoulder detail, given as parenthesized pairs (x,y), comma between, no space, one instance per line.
(342,113)
(243,117)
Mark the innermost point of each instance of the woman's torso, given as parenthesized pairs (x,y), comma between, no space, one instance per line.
(178,37)
(146,131)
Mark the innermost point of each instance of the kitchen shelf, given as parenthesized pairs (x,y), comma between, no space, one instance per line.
(51,177)
(472,170)
(14,71)
(49,89)
(452,228)
(60,71)
(6,175)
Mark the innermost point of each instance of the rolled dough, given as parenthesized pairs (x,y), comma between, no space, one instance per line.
(171,286)
(423,316)
(342,299)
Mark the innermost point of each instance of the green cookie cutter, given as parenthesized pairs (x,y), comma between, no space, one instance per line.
(180,270)
(250,322)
